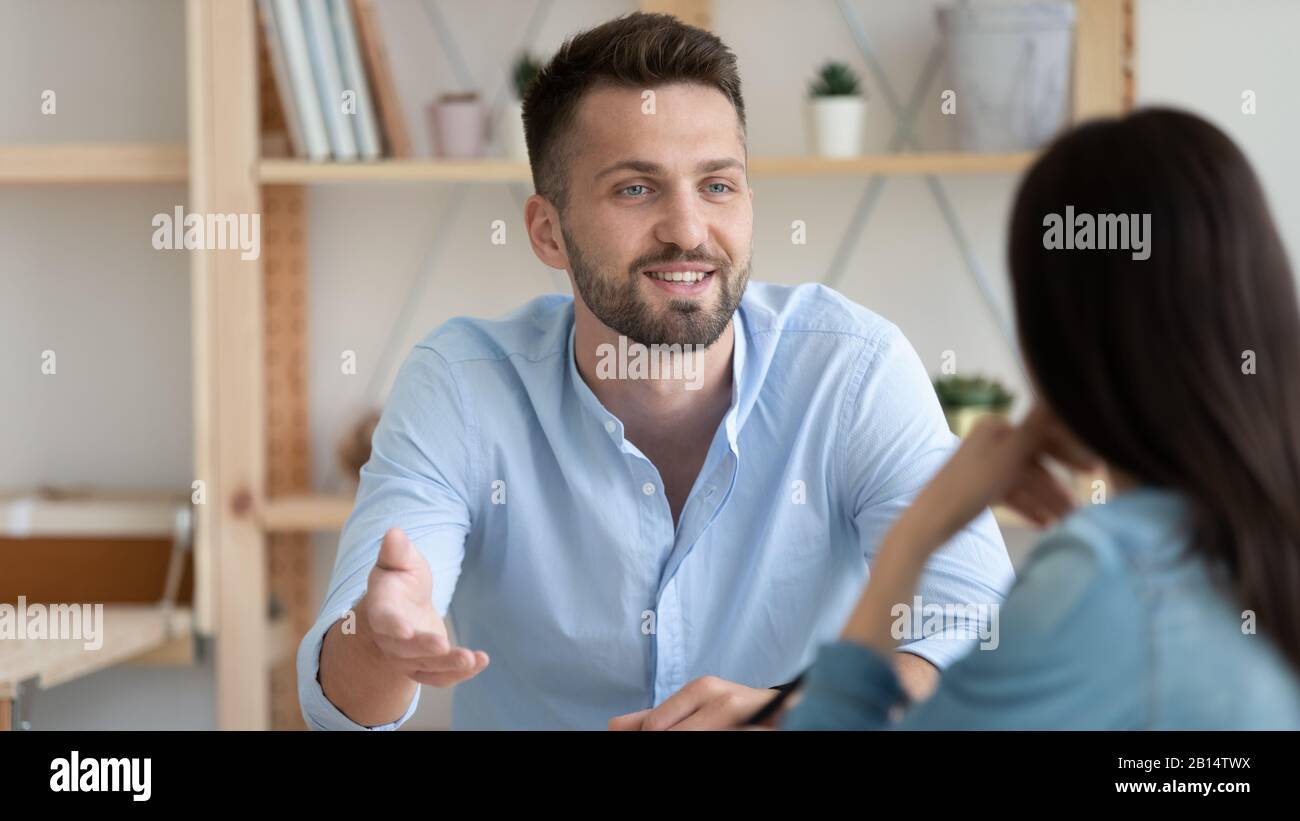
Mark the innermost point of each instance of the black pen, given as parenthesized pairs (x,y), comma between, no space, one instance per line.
(769,709)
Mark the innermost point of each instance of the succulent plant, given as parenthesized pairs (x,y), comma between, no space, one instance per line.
(972,392)
(835,80)
(524,72)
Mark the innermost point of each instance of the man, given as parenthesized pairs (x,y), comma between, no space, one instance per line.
(618,550)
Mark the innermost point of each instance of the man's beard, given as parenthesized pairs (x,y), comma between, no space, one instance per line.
(617,302)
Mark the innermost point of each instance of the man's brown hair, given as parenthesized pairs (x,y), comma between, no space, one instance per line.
(637,50)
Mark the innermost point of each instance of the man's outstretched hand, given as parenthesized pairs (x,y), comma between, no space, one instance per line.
(399,642)
(398,616)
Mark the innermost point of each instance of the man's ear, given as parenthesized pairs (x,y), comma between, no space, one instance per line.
(543,223)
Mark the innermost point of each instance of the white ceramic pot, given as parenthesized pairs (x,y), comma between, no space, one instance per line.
(837,125)
(1009,64)
(458,128)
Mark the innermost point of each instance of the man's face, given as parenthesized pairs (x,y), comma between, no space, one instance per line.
(659,219)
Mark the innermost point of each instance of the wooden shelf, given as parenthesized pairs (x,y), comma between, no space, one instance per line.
(98,516)
(285,171)
(301,171)
(129,163)
(160,163)
(940,163)
(128,630)
(93,164)
(306,512)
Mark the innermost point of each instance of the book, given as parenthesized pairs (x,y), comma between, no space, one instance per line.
(381,80)
(293,42)
(280,76)
(329,78)
(364,124)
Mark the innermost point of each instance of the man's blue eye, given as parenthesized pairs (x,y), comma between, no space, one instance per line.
(630,187)
(725,188)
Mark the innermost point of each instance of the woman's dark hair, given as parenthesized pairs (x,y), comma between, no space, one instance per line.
(1183,368)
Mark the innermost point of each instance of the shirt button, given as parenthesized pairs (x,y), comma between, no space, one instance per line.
(648,489)
(609,426)
(708,491)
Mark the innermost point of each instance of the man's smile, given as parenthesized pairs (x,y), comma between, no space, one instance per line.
(681,278)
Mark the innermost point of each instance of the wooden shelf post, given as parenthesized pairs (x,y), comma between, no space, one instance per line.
(1103,58)
(228,360)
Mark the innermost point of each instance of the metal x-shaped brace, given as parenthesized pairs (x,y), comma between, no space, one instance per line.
(455,200)
(903,136)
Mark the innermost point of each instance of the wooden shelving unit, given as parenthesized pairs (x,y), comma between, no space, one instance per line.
(249,534)
(94,164)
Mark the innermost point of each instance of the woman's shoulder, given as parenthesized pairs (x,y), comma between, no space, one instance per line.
(1157,609)
(1111,544)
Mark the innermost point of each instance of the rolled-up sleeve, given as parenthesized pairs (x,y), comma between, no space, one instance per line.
(317,710)
(419,478)
(894,438)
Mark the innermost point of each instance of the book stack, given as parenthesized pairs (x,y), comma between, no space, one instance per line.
(333,79)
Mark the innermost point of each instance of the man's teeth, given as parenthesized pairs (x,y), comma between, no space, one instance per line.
(679,276)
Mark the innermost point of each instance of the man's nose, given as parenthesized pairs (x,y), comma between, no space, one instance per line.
(682,223)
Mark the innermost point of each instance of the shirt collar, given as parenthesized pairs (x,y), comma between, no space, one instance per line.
(731,423)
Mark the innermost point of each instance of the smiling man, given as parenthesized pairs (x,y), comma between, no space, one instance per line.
(621,551)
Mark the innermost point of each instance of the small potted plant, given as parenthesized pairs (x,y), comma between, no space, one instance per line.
(522,75)
(836,111)
(967,399)
(458,125)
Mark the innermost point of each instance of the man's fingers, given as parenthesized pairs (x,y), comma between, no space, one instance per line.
(423,648)
(679,705)
(628,721)
(446,679)
(459,660)
(441,679)
(720,714)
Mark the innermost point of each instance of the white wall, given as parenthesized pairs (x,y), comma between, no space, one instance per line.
(77,274)
(1202,54)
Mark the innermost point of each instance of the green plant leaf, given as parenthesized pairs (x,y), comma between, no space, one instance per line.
(835,80)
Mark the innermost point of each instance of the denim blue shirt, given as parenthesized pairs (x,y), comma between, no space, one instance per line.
(1113,624)
(552,544)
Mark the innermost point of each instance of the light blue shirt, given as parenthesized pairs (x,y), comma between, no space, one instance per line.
(1114,624)
(552,544)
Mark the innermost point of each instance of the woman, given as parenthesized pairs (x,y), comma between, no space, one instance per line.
(1176,603)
